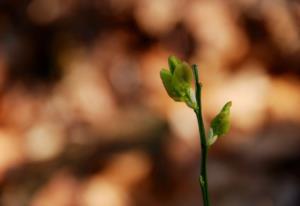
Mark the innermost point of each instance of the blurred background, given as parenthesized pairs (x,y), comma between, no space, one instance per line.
(85,120)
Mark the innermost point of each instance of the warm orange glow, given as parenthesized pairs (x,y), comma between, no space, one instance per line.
(85,119)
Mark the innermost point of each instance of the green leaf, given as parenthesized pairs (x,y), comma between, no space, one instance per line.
(166,78)
(220,125)
(173,62)
(183,73)
(182,78)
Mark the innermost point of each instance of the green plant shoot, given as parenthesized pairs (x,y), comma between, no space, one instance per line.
(177,81)
(178,84)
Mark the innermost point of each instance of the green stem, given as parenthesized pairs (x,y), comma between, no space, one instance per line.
(204,148)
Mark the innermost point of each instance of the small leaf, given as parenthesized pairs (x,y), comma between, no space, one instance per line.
(183,73)
(173,62)
(166,78)
(181,81)
(182,78)
(220,124)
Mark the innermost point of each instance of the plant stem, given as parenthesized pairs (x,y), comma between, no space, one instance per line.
(204,147)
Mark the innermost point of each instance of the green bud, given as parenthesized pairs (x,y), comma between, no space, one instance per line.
(178,81)
(220,125)
(166,78)
(173,62)
(183,73)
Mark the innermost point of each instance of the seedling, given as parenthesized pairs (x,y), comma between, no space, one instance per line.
(178,84)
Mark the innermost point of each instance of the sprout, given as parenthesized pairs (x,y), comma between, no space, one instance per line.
(220,125)
(177,82)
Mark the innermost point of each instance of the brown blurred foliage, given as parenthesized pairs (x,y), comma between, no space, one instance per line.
(85,120)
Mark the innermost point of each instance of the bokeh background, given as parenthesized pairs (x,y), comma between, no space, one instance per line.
(85,120)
